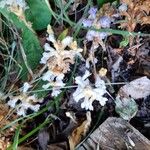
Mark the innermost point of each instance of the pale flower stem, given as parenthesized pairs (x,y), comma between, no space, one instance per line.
(85,48)
(93,56)
(103,45)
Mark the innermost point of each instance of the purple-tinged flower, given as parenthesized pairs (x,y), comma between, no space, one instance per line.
(105,22)
(90,35)
(123,7)
(103,35)
(92,12)
(87,22)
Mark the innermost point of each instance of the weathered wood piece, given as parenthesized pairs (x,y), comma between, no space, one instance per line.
(116,134)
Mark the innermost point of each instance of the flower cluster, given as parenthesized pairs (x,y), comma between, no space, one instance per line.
(23,102)
(96,22)
(58,59)
(14,3)
(54,80)
(87,93)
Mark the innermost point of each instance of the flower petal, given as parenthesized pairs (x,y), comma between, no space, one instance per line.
(67,41)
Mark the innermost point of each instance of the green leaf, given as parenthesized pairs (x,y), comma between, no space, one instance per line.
(14,145)
(32,50)
(126,107)
(29,43)
(125,42)
(38,13)
(16,138)
(63,35)
(31,133)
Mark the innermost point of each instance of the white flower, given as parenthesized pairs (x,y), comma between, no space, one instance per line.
(12,102)
(87,22)
(20,3)
(25,87)
(123,7)
(59,58)
(51,38)
(56,92)
(103,35)
(49,52)
(105,22)
(92,12)
(50,76)
(35,107)
(21,111)
(83,81)
(59,82)
(87,104)
(91,34)
(55,81)
(47,76)
(100,83)
(48,48)
(45,57)
(86,92)
(67,41)
(24,104)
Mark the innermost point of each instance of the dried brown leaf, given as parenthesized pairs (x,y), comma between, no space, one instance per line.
(80,132)
(138,88)
(137,12)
